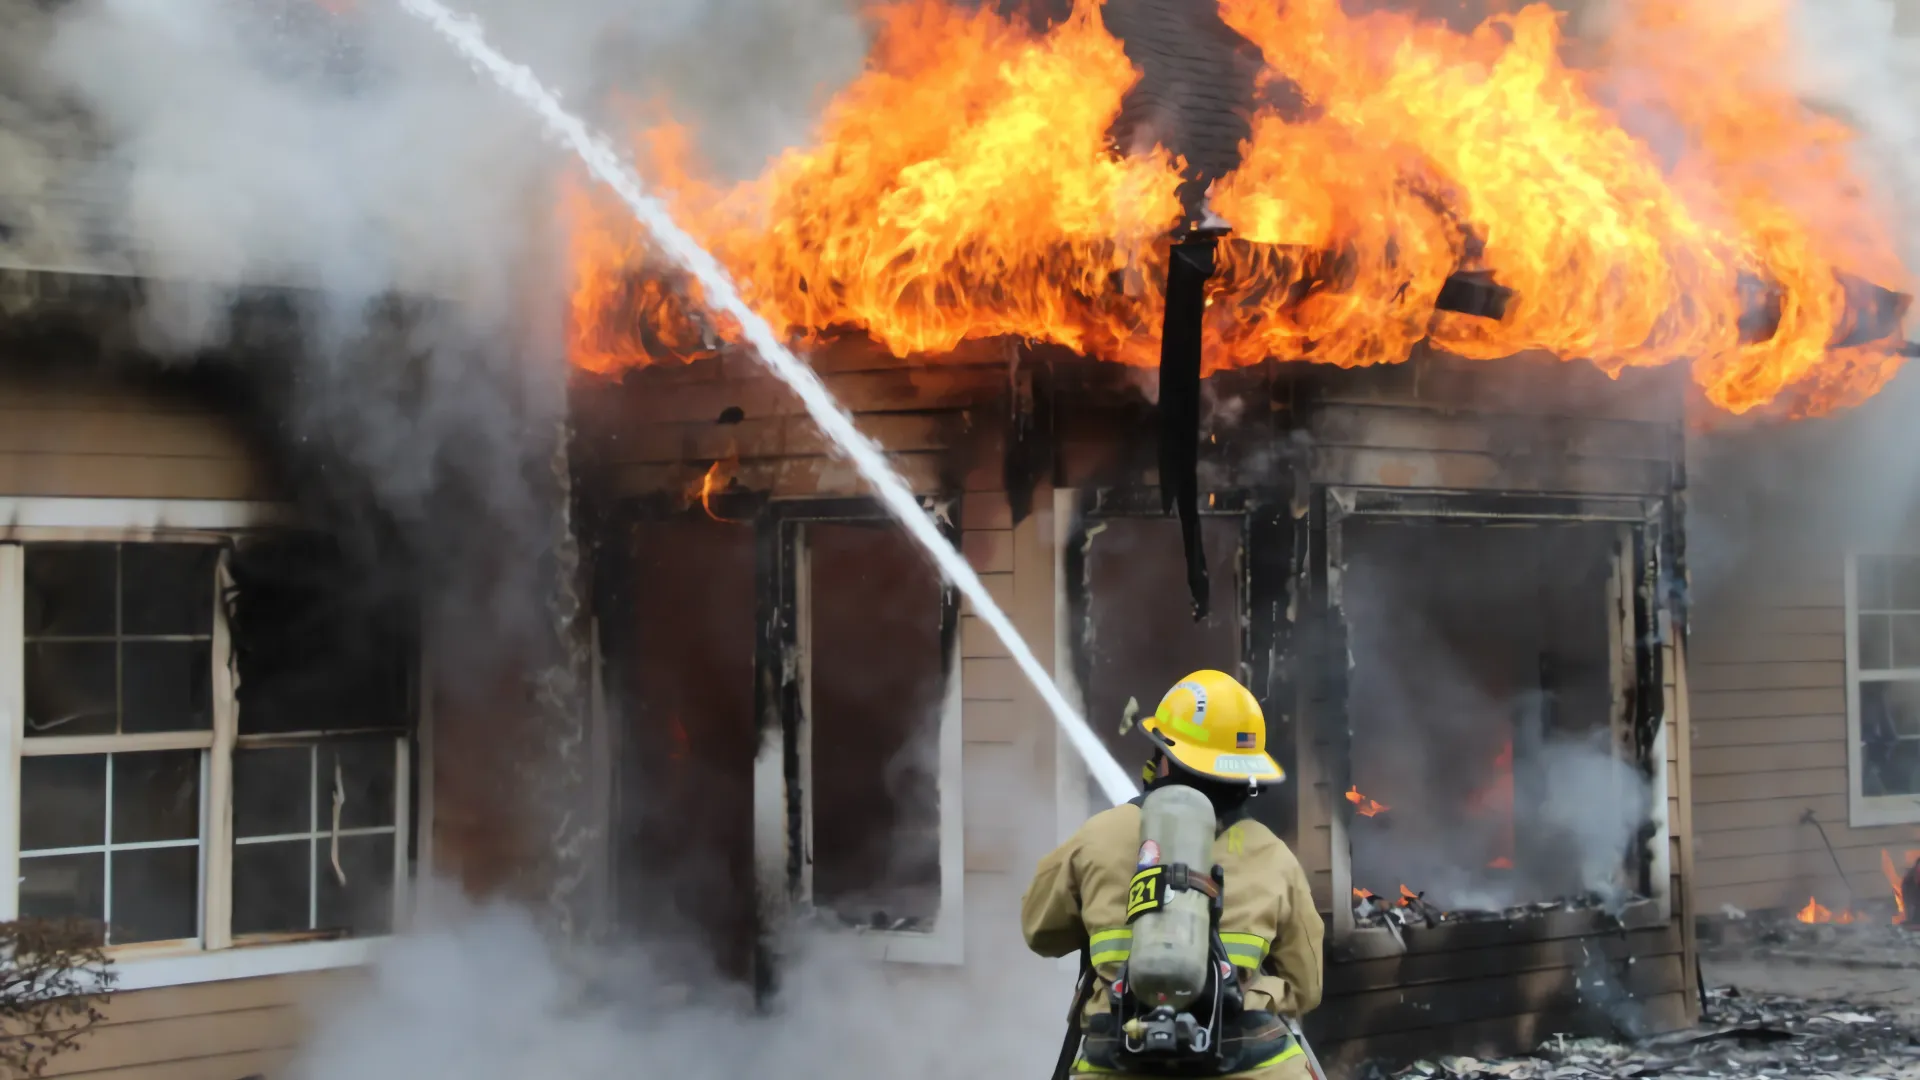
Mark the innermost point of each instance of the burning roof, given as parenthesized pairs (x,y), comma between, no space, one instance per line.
(967,185)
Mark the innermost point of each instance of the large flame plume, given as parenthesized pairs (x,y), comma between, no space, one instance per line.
(1643,205)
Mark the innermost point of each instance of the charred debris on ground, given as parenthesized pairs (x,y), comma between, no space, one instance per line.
(1739,1037)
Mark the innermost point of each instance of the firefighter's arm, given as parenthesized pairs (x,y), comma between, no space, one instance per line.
(1296,955)
(1050,910)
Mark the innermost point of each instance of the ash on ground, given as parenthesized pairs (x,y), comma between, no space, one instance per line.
(1740,1038)
(1871,938)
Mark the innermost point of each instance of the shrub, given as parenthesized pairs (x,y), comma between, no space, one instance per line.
(54,976)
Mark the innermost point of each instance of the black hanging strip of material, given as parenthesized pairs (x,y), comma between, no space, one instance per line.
(1191,264)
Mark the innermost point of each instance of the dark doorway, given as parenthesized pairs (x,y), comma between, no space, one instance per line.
(876,623)
(1136,635)
(684,663)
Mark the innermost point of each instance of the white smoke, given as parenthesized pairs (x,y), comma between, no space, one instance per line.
(1860,60)
(276,143)
(480,993)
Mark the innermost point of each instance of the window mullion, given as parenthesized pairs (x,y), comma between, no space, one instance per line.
(13,714)
(217,925)
(402,828)
(313,837)
(106,858)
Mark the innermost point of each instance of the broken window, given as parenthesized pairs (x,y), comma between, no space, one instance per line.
(875,624)
(1136,632)
(130,730)
(323,660)
(1883,639)
(1487,711)
(314,833)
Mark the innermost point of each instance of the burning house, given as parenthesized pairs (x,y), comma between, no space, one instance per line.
(1376,377)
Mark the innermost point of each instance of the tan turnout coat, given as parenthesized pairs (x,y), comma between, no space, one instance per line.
(1269,924)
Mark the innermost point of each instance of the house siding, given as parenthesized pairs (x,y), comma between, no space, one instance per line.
(211,1031)
(1769,698)
(65,437)
(87,437)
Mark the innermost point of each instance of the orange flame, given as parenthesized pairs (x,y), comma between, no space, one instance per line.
(680,747)
(1364,806)
(1815,913)
(1407,896)
(962,187)
(1501,863)
(1895,880)
(718,477)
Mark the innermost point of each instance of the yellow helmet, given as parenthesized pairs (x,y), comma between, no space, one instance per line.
(1211,725)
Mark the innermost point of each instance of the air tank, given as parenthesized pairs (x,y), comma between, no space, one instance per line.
(1172,946)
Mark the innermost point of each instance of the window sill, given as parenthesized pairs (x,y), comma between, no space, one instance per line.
(1871,811)
(242,962)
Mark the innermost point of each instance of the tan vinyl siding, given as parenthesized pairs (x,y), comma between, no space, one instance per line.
(209,1031)
(1769,703)
(95,440)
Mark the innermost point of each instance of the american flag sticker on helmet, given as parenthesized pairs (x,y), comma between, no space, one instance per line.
(1244,740)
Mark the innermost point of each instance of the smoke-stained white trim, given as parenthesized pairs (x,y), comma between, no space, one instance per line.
(13,720)
(803,722)
(424,868)
(600,781)
(244,962)
(1070,776)
(122,515)
(216,855)
(1863,811)
(1660,847)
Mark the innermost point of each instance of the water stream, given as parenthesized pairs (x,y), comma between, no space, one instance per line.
(600,158)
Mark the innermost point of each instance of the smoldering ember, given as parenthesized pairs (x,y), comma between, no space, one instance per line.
(436,638)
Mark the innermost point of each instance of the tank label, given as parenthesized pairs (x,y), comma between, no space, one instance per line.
(1149,855)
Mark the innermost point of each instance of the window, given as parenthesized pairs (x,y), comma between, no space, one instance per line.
(870,821)
(144,683)
(1883,689)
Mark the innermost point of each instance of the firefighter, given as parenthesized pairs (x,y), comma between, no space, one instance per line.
(1208,734)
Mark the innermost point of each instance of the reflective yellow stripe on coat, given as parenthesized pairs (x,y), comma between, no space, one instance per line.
(1111,947)
(1115,945)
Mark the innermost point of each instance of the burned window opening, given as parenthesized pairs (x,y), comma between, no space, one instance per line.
(1133,632)
(318,643)
(1493,684)
(683,656)
(865,663)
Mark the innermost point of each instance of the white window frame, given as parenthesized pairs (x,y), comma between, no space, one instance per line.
(1862,810)
(214,955)
(945,943)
